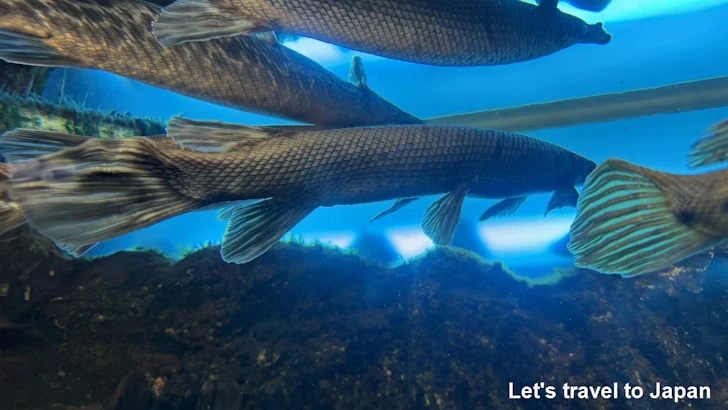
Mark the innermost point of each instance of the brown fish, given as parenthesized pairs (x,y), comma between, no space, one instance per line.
(437,32)
(243,72)
(105,188)
(633,220)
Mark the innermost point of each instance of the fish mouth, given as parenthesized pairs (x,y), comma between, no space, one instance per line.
(596,34)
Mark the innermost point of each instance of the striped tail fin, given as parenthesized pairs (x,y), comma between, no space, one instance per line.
(23,144)
(627,224)
(712,149)
(97,191)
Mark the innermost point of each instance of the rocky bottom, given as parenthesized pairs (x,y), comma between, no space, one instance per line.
(307,327)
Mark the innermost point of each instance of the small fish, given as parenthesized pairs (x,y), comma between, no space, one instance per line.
(436,32)
(253,73)
(633,220)
(588,5)
(105,188)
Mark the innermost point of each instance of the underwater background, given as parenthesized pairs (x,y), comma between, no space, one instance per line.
(378,317)
(653,45)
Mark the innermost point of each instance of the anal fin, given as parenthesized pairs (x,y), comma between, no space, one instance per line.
(26,49)
(76,251)
(562,198)
(253,229)
(505,207)
(443,215)
(396,206)
(198,20)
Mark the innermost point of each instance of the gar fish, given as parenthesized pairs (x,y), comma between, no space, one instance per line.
(436,32)
(245,72)
(105,188)
(633,220)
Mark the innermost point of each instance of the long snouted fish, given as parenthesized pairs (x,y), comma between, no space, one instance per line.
(633,220)
(105,188)
(436,32)
(245,72)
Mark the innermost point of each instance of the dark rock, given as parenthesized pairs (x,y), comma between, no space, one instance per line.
(309,327)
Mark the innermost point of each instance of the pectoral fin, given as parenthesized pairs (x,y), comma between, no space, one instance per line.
(252,229)
(560,199)
(199,20)
(76,251)
(505,207)
(269,37)
(625,223)
(443,215)
(396,206)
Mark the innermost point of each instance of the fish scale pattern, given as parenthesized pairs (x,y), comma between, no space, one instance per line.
(357,165)
(242,72)
(447,33)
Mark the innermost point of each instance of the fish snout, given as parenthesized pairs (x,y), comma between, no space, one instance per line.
(596,34)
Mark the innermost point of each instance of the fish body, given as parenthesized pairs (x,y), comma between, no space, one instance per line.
(290,173)
(633,220)
(243,72)
(370,164)
(445,33)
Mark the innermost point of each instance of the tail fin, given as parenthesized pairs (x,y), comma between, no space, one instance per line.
(10,214)
(27,49)
(25,144)
(712,149)
(626,224)
(97,191)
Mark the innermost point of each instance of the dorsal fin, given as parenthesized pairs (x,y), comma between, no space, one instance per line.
(357,75)
(269,37)
(216,136)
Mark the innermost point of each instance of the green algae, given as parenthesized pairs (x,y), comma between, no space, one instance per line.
(17,111)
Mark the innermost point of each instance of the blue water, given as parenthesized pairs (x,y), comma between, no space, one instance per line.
(643,53)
